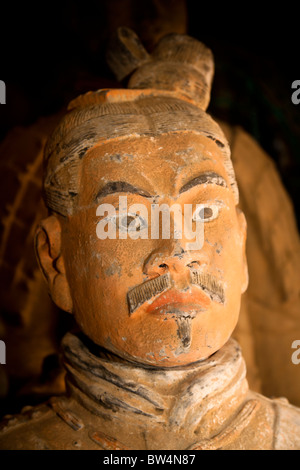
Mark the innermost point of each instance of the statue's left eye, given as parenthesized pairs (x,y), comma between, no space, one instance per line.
(206,212)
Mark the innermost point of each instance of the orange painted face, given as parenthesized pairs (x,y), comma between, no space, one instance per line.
(152,300)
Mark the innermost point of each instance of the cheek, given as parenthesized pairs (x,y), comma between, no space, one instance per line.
(225,245)
(100,273)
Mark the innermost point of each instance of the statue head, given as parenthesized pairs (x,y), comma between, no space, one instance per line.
(145,243)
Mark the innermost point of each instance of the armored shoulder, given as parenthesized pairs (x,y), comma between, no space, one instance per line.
(52,425)
(287,425)
(24,431)
(59,424)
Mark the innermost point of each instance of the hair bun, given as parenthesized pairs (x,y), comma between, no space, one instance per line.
(179,63)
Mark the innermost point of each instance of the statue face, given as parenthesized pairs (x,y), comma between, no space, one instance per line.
(191,309)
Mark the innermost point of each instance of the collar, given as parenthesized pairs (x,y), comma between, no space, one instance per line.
(190,401)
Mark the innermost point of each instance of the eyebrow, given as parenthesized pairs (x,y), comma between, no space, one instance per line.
(209,177)
(120,187)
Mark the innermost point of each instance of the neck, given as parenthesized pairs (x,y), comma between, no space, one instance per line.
(187,401)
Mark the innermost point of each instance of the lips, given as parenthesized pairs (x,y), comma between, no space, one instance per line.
(174,301)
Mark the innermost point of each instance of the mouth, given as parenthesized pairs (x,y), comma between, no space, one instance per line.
(162,296)
(179,303)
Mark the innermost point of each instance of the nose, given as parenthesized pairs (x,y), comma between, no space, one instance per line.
(176,261)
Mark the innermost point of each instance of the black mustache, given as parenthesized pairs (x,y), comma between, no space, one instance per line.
(143,292)
(140,294)
(212,286)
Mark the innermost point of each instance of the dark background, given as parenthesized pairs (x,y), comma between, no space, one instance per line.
(51,52)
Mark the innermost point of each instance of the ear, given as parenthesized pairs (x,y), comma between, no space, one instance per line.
(243,235)
(48,252)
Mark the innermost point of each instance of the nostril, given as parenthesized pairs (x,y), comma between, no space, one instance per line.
(163,268)
(163,265)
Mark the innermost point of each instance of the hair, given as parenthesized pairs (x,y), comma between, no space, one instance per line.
(159,101)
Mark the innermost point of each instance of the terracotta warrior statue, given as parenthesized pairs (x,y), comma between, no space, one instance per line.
(153,364)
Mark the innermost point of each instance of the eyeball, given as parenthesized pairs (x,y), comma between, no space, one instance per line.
(130,223)
(206,212)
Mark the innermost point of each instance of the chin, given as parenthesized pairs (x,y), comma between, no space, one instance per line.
(170,358)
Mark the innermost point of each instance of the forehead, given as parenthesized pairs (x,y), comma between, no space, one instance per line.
(158,164)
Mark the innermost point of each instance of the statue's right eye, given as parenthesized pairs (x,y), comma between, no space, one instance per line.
(130,222)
